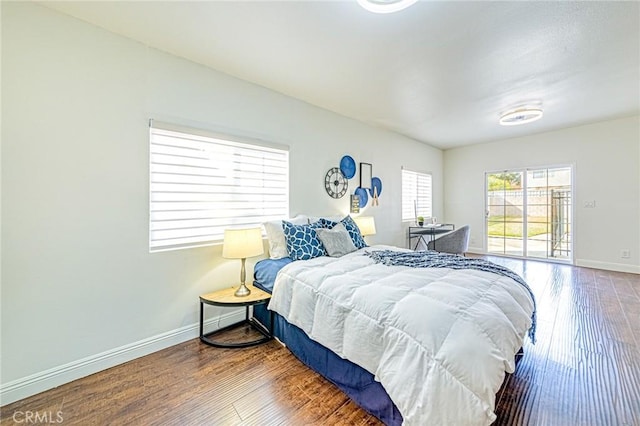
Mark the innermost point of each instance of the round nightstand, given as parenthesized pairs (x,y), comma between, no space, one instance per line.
(227,298)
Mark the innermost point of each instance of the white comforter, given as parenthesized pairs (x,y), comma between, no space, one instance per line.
(439,340)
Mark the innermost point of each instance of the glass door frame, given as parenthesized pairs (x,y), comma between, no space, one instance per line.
(524,171)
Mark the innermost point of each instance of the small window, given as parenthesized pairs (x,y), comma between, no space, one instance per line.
(202,184)
(416,195)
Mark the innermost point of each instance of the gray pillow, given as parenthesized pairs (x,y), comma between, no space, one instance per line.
(336,240)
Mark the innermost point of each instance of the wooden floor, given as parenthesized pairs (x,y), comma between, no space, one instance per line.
(584,370)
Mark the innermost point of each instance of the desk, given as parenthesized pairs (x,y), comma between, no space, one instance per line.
(429,231)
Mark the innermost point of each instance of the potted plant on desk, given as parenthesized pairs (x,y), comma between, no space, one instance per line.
(420,220)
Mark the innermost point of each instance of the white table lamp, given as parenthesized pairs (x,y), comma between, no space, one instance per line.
(366,224)
(240,244)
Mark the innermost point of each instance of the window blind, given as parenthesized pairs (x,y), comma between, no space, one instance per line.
(416,195)
(200,185)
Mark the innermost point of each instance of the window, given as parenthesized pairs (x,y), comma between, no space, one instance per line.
(416,195)
(201,184)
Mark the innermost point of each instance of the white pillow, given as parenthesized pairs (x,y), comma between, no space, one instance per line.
(275,236)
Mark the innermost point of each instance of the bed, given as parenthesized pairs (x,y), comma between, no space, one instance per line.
(359,384)
(413,338)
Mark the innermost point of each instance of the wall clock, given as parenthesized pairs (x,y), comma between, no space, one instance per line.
(335,183)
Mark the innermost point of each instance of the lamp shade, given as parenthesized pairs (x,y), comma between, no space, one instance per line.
(366,224)
(242,243)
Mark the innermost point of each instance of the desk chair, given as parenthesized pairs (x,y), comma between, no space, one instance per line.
(455,242)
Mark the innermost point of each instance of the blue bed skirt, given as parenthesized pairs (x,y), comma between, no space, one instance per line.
(352,379)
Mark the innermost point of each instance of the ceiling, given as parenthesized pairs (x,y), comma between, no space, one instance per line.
(440,72)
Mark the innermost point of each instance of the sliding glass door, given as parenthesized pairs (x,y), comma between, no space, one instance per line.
(505,213)
(529,213)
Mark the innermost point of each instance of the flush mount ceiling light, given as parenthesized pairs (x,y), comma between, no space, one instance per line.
(521,115)
(385,6)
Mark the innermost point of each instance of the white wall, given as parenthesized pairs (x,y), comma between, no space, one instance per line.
(606,161)
(80,290)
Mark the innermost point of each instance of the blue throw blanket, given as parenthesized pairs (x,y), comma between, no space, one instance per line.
(432,259)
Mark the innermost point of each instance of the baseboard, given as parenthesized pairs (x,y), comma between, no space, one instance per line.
(618,267)
(48,379)
(475,250)
(595,264)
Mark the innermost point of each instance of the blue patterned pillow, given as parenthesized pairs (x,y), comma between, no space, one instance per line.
(326,223)
(352,228)
(354,232)
(302,241)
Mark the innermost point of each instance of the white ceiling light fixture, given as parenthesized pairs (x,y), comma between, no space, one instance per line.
(385,6)
(521,115)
